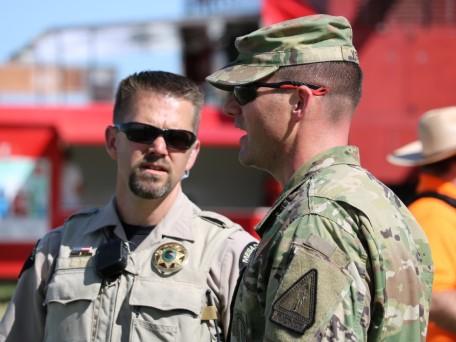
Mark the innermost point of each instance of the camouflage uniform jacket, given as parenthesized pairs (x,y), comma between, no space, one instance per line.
(341,258)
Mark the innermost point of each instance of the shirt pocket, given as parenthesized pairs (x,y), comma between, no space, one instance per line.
(166,311)
(69,301)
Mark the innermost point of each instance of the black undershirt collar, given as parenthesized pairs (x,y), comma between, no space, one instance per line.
(136,234)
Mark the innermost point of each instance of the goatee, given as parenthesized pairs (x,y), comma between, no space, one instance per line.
(147,186)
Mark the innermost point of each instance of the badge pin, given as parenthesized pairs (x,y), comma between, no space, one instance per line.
(169,258)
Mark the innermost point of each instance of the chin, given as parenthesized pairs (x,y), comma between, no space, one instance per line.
(250,161)
(246,160)
(149,187)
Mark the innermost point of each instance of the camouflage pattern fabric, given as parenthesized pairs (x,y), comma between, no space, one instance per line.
(341,258)
(309,39)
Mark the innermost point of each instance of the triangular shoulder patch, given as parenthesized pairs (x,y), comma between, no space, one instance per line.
(295,308)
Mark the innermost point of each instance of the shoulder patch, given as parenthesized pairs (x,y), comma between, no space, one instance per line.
(247,254)
(295,308)
(30,260)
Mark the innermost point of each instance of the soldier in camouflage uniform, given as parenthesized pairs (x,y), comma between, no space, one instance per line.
(340,256)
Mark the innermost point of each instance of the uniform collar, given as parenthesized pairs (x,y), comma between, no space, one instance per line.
(333,156)
(176,223)
(106,217)
(429,182)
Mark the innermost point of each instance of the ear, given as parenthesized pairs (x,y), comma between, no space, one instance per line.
(110,142)
(302,102)
(193,155)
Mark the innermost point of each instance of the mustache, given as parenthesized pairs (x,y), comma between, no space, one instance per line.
(152,158)
(153,161)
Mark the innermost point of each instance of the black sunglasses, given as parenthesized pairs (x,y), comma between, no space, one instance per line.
(178,139)
(248,92)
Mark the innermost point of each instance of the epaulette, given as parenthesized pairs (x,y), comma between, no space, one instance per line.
(215,218)
(83,212)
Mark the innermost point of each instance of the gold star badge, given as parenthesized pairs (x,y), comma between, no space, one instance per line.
(169,258)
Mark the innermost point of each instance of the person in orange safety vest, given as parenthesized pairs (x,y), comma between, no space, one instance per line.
(435,209)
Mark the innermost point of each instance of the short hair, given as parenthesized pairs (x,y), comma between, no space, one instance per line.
(343,79)
(159,82)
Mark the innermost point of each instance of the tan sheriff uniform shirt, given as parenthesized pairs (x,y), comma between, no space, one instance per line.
(60,296)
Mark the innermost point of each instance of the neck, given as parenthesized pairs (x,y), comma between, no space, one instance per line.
(447,175)
(452,178)
(139,211)
(309,142)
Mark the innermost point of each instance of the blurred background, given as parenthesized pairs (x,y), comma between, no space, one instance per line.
(60,63)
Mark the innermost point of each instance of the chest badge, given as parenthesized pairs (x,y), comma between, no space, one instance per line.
(169,258)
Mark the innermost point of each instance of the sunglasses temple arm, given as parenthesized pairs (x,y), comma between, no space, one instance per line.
(320,91)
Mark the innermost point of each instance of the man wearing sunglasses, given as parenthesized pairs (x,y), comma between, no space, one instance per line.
(150,265)
(340,257)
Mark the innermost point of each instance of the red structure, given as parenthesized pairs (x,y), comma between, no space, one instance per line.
(407,50)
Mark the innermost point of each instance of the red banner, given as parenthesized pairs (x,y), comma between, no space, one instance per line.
(273,11)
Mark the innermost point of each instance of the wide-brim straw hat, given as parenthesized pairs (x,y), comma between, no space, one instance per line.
(437,140)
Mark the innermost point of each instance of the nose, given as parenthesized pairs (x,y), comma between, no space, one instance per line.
(158,146)
(231,107)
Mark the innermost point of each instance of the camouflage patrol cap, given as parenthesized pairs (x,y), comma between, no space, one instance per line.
(309,39)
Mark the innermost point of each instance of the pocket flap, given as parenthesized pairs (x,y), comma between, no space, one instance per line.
(168,295)
(67,287)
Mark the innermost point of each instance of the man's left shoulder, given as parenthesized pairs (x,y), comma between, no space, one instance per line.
(223,227)
(350,182)
(217,220)
(219,230)
(345,175)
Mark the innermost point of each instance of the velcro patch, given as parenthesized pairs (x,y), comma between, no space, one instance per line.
(295,308)
(247,254)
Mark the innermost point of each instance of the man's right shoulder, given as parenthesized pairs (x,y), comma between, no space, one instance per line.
(79,217)
(83,213)
(54,236)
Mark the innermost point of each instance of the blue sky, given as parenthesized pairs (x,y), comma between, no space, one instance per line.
(23,20)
